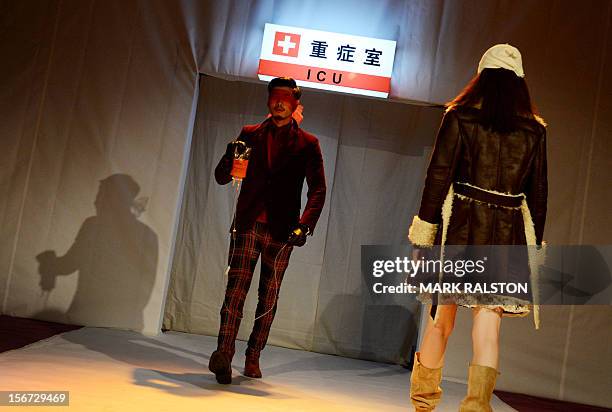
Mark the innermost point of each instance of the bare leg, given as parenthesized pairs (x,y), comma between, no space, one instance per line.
(485,336)
(436,336)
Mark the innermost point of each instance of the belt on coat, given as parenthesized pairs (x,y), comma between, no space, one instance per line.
(488,196)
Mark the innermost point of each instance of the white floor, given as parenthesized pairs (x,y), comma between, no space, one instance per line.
(111,370)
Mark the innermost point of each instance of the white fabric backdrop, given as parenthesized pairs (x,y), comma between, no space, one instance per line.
(92,88)
(565,52)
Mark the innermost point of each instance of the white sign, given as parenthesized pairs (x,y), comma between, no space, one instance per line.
(325,60)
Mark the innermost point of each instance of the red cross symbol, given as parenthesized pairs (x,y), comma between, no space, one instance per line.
(286,44)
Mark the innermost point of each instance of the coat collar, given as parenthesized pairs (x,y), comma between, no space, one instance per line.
(287,145)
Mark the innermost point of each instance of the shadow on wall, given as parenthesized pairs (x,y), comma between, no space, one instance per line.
(116,258)
(381,332)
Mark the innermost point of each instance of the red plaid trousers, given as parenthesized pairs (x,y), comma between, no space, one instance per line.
(243,254)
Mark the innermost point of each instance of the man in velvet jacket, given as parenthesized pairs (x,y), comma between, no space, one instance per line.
(267,220)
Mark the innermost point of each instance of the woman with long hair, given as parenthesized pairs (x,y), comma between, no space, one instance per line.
(486,184)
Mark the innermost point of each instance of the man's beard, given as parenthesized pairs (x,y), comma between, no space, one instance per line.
(279,117)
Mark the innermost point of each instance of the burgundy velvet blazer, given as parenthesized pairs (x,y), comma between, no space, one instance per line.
(279,188)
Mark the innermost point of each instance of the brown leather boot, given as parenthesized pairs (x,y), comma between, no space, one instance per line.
(221,365)
(251,365)
(481,382)
(425,391)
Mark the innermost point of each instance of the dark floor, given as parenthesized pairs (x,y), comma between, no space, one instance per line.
(526,403)
(19,332)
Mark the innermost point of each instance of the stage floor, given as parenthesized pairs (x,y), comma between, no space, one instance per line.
(112,370)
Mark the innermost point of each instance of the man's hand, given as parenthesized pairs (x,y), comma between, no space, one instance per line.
(297,237)
(46,260)
(234,145)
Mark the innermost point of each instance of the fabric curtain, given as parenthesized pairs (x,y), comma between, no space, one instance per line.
(91,89)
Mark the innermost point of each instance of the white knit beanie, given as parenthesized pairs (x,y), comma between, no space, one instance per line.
(502,56)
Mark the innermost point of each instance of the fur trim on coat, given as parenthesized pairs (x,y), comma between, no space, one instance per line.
(422,233)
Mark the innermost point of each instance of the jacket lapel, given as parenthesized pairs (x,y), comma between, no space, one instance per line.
(287,147)
(260,141)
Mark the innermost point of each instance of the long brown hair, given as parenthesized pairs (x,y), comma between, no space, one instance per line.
(502,96)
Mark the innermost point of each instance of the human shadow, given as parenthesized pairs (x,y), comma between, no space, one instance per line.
(191,384)
(115,255)
(160,365)
(135,349)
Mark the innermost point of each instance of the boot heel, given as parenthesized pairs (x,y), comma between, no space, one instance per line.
(425,391)
(251,366)
(481,382)
(220,365)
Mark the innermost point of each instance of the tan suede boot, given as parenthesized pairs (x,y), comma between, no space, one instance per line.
(481,382)
(425,391)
